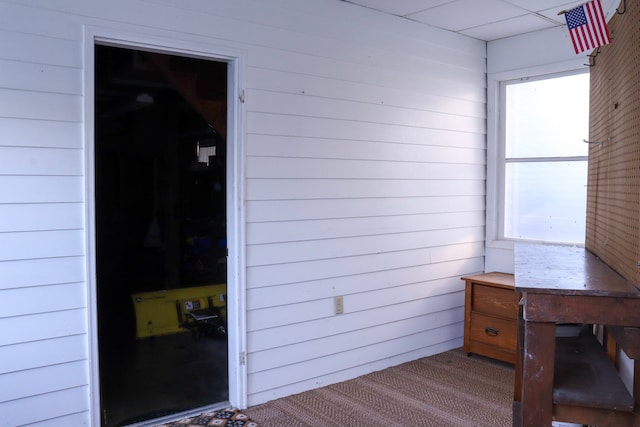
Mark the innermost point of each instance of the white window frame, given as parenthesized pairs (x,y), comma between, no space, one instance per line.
(499,250)
(502,144)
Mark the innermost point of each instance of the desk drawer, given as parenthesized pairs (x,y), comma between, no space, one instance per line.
(495,331)
(495,301)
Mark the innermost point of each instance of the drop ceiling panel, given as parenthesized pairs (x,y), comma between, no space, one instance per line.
(463,14)
(538,5)
(399,7)
(506,28)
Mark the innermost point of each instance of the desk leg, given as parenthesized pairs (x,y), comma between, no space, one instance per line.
(517,386)
(537,374)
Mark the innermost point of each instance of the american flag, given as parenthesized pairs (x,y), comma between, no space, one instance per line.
(587,26)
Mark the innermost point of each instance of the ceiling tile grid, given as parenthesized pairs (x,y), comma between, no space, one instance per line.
(482,19)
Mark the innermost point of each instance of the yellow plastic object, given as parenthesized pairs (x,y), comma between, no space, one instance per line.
(160,312)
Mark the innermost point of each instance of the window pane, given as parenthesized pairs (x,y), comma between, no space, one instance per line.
(548,118)
(546,201)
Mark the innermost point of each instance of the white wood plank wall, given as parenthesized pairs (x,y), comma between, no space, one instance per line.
(43,316)
(364,172)
(365,179)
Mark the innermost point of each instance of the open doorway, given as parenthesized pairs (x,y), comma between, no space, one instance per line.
(161,236)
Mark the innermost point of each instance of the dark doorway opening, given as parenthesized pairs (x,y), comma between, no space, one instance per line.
(160,214)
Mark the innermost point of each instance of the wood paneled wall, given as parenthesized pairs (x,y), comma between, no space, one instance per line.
(613,197)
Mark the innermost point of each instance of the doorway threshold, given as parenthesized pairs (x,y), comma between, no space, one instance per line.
(181,415)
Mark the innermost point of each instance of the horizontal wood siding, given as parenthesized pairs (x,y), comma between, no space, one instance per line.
(364,173)
(43,293)
(365,168)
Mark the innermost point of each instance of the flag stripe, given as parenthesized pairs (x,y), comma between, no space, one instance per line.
(593,16)
(602,24)
(575,45)
(594,31)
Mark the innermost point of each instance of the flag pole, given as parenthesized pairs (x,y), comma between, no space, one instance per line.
(562,12)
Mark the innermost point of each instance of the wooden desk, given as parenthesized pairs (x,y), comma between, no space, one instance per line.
(562,284)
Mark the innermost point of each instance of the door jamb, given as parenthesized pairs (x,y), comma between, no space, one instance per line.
(236,220)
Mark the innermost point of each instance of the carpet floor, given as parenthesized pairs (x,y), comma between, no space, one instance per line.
(449,389)
(445,390)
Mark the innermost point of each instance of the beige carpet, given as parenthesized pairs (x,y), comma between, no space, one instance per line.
(446,390)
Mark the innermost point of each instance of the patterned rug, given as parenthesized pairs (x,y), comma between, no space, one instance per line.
(228,417)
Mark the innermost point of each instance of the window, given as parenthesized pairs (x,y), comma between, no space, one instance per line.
(545,159)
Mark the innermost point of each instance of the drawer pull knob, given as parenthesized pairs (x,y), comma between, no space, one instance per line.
(492,332)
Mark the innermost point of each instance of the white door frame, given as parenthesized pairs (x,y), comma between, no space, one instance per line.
(236,261)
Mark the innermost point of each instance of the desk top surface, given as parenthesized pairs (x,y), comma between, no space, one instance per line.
(570,270)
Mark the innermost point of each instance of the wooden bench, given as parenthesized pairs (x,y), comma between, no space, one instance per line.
(574,378)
